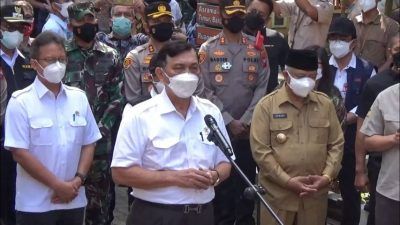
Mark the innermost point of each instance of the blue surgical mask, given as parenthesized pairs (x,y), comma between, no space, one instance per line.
(122,26)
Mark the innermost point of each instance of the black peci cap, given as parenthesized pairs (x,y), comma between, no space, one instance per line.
(302,59)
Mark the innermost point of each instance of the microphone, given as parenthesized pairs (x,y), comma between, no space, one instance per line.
(216,135)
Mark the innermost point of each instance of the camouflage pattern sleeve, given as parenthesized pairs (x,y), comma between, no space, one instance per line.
(113,105)
(261,88)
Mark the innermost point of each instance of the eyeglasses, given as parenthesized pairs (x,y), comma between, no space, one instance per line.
(54,60)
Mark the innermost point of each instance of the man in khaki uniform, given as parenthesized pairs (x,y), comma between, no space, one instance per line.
(374,31)
(297,143)
(235,74)
(309,21)
(138,80)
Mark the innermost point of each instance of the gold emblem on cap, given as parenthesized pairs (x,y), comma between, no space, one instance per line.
(236,3)
(218,68)
(281,138)
(162,8)
(17,9)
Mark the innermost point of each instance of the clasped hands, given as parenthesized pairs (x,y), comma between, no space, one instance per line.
(307,185)
(65,191)
(196,178)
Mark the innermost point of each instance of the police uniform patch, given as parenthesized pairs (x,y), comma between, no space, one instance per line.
(219,78)
(147,59)
(219,53)
(127,63)
(202,57)
(250,77)
(226,65)
(252,68)
(279,115)
(218,68)
(251,54)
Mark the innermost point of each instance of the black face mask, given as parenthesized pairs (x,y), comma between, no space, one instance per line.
(396,60)
(254,21)
(86,32)
(234,24)
(162,32)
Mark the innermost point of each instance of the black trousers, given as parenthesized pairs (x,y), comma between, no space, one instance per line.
(351,197)
(55,217)
(230,206)
(374,166)
(8,174)
(386,211)
(148,213)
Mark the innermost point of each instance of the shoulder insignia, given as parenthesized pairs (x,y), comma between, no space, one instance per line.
(128,61)
(17,93)
(321,93)
(202,57)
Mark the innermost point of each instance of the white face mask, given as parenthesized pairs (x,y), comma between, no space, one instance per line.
(367,5)
(159,86)
(319,74)
(11,40)
(301,87)
(54,72)
(183,85)
(64,8)
(339,48)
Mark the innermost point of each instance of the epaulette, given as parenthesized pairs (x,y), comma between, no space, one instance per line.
(73,88)
(272,93)
(212,39)
(138,49)
(17,93)
(321,93)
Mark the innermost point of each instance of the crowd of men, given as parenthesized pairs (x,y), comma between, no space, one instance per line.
(96,94)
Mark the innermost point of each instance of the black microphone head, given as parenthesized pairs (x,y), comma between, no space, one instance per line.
(209,120)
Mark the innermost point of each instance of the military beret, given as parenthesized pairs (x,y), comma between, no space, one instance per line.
(233,6)
(79,10)
(157,9)
(15,13)
(302,59)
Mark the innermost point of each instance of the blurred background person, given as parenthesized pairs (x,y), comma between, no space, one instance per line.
(58,18)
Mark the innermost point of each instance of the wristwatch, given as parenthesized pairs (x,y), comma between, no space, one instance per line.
(218,180)
(82,177)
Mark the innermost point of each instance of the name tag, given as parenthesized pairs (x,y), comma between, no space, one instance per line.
(280,116)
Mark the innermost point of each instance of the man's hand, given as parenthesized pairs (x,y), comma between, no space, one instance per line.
(65,192)
(318,182)
(301,185)
(237,128)
(361,181)
(193,178)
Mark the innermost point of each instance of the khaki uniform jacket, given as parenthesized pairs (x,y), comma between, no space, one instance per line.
(235,76)
(137,77)
(287,142)
(304,31)
(373,38)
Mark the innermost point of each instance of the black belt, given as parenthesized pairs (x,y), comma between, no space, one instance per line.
(184,208)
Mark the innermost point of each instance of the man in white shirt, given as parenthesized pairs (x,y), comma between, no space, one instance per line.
(57,20)
(162,150)
(50,131)
(350,73)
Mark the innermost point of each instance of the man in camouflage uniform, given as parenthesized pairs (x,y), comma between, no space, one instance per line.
(235,73)
(95,68)
(138,80)
(122,15)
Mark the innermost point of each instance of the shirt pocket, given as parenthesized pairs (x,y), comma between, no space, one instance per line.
(392,124)
(280,133)
(218,75)
(41,131)
(250,74)
(163,153)
(319,131)
(203,153)
(76,130)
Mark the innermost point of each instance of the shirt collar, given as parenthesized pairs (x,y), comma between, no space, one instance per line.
(282,96)
(59,21)
(165,105)
(16,53)
(42,90)
(377,19)
(352,63)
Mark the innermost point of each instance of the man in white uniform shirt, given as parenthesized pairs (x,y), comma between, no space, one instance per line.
(51,132)
(162,150)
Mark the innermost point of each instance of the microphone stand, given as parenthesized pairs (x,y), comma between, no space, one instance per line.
(254,189)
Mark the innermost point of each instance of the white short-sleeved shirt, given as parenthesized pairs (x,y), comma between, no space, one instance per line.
(384,119)
(154,136)
(176,10)
(53,130)
(57,25)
